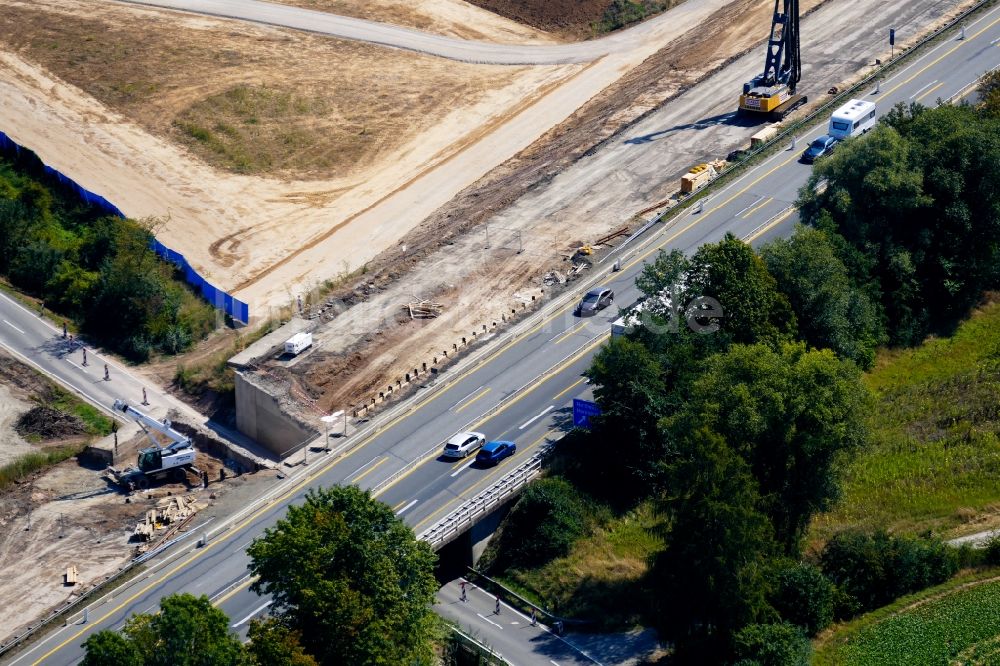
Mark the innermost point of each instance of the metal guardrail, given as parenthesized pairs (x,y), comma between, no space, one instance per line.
(458,521)
(15,640)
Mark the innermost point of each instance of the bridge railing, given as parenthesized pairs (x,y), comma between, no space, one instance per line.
(468,513)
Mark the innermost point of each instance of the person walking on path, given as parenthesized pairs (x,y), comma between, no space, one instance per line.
(497,611)
(463,597)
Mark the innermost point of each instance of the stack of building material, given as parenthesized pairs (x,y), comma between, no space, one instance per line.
(168,511)
(424,310)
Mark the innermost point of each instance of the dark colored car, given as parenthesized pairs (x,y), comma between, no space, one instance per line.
(595,300)
(494,452)
(824,145)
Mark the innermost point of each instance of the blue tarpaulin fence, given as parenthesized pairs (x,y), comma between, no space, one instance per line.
(237,309)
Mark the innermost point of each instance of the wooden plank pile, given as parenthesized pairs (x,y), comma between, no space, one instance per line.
(424,309)
(168,511)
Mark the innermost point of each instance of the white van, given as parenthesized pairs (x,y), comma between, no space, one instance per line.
(854,118)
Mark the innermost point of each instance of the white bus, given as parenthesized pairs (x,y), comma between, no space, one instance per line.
(854,118)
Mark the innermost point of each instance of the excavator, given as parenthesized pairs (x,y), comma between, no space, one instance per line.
(772,93)
(157,461)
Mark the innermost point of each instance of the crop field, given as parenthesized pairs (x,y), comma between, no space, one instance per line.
(959,625)
(935,454)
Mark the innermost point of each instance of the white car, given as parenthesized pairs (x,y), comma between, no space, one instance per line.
(463,444)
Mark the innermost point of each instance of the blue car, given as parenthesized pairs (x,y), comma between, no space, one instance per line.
(494,452)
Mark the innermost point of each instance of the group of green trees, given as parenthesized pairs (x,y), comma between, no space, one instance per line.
(738,436)
(349,583)
(94,269)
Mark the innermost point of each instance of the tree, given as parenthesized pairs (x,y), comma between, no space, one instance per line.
(832,312)
(629,386)
(755,310)
(710,577)
(547,520)
(989,93)
(273,644)
(791,414)
(919,196)
(188,631)
(874,568)
(348,575)
(772,645)
(804,597)
(110,648)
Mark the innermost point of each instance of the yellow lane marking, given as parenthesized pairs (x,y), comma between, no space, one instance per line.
(778,220)
(552,373)
(922,95)
(433,454)
(199,553)
(487,479)
(367,471)
(398,506)
(569,388)
(940,58)
(239,588)
(756,208)
(478,396)
(571,331)
(701,216)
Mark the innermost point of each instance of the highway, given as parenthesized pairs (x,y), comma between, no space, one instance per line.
(519,390)
(286,16)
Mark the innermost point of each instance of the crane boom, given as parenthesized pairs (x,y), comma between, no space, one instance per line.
(177,440)
(773,91)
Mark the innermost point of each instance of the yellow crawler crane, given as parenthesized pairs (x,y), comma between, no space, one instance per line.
(772,94)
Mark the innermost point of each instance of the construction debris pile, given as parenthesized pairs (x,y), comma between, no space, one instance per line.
(170,513)
(424,309)
(48,423)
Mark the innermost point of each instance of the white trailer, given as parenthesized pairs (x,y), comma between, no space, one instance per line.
(298,343)
(854,118)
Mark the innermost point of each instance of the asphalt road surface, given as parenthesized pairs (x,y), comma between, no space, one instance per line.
(520,389)
(385,34)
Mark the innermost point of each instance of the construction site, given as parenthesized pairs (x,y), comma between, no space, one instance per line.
(398,207)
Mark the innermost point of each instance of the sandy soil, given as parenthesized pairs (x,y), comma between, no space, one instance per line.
(445,17)
(69,515)
(12,406)
(236,229)
(576,180)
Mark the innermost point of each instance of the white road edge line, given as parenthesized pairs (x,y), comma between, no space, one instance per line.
(348,477)
(252,614)
(535,418)
(407,507)
(750,206)
(14,327)
(490,621)
(459,470)
(924,88)
(461,400)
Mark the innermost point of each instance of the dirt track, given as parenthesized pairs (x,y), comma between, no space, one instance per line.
(587,177)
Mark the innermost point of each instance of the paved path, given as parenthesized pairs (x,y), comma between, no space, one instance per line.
(345,27)
(521,388)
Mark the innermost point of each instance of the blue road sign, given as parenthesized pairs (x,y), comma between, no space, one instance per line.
(582,411)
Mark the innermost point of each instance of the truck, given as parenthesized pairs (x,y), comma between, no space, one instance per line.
(854,118)
(298,343)
(157,461)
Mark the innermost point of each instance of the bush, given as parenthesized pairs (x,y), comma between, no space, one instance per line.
(804,597)
(991,553)
(875,568)
(771,645)
(548,518)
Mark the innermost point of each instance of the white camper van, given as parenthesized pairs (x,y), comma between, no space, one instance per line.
(854,118)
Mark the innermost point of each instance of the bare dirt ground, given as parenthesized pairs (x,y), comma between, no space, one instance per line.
(120,86)
(582,179)
(444,17)
(69,515)
(12,406)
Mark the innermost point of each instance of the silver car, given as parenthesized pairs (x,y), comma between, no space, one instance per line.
(463,444)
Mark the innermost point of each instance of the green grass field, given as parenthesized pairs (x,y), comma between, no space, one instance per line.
(954,623)
(601,578)
(934,458)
